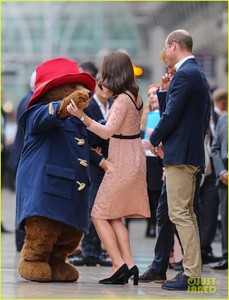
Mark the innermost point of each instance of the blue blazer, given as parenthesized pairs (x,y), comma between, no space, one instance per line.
(50,168)
(185,116)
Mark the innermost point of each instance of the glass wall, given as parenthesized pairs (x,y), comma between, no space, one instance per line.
(36,31)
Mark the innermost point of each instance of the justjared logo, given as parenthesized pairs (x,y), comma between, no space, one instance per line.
(202,285)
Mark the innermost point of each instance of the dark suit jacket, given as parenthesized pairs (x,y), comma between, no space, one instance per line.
(220,145)
(96,172)
(16,148)
(184,120)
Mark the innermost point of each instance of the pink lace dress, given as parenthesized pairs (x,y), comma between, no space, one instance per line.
(123,191)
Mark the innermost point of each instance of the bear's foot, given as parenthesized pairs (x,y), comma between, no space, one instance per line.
(35,271)
(65,272)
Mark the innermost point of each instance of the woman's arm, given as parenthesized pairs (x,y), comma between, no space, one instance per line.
(117,115)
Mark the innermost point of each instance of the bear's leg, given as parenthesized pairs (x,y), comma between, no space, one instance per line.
(67,242)
(41,235)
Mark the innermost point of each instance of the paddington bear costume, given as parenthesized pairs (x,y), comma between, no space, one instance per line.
(52,177)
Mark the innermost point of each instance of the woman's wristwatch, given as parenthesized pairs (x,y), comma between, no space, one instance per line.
(82,118)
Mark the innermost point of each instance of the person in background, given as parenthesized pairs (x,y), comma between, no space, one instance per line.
(3,159)
(209,196)
(123,191)
(98,109)
(90,67)
(220,100)
(154,167)
(220,160)
(16,149)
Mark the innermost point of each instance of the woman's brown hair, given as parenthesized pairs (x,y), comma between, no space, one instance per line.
(117,74)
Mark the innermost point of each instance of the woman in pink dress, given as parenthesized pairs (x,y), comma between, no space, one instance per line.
(123,191)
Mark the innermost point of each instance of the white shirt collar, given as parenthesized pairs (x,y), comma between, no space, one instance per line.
(179,63)
(217,110)
(105,110)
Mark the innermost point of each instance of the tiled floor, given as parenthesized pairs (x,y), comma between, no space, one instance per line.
(15,287)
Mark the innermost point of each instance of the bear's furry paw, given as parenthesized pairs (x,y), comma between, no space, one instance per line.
(35,270)
(81,99)
(64,272)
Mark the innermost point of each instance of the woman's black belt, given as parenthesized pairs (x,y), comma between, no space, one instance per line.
(126,137)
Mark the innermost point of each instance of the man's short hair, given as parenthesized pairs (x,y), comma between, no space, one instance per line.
(219,94)
(181,37)
(90,67)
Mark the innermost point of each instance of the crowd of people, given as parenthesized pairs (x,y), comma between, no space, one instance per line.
(175,175)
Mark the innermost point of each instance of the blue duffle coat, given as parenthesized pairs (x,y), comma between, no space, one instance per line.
(52,177)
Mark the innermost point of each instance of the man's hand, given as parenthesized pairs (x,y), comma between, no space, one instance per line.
(98,150)
(103,165)
(167,77)
(148,146)
(165,81)
(224,178)
(160,151)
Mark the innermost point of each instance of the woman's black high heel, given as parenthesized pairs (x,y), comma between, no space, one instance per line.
(118,277)
(132,272)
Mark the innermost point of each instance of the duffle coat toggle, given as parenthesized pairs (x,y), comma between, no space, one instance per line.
(80,142)
(83,162)
(81,185)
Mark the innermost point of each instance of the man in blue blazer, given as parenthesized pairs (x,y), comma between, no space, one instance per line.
(180,136)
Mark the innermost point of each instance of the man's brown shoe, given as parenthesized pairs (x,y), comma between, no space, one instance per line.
(151,276)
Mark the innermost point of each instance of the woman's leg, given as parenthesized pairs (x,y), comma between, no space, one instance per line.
(123,241)
(108,238)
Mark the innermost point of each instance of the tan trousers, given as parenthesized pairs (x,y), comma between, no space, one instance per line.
(180,186)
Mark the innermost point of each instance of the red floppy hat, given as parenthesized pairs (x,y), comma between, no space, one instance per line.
(58,71)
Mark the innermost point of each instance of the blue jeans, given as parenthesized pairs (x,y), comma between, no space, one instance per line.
(91,245)
(166,229)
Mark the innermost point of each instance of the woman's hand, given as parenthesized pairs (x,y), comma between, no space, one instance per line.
(149,131)
(157,151)
(145,144)
(148,146)
(74,110)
